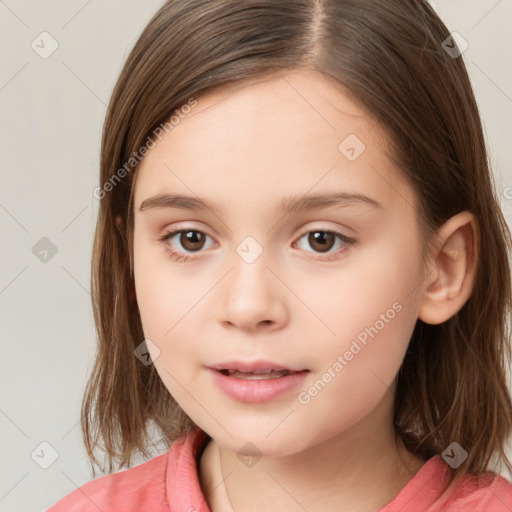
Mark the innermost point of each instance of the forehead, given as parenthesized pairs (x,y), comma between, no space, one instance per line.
(273,137)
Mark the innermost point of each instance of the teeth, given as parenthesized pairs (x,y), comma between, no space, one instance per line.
(256,371)
(258,374)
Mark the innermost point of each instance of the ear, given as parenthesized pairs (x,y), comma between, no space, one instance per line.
(120,226)
(455,257)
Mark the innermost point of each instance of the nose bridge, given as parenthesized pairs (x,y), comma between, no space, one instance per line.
(251,295)
(250,274)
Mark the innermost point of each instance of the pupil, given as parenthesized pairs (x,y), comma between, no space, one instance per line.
(320,238)
(191,237)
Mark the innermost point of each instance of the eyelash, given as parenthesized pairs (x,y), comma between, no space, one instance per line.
(180,257)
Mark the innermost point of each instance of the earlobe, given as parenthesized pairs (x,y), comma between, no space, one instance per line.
(120,226)
(450,285)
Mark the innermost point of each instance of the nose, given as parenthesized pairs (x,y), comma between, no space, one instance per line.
(252,298)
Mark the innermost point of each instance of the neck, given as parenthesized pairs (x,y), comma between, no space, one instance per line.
(340,469)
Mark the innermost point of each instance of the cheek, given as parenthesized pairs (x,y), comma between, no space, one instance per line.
(160,297)
(166,316)
(357,366)
(169,302)
(370,311)
(373,280)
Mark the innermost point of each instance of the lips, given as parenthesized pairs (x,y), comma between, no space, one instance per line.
(256,369)
(260,374)
(256,381)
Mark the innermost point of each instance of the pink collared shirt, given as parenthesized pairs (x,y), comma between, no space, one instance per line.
(170,483)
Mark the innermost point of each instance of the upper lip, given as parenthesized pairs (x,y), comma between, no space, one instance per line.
(252,366)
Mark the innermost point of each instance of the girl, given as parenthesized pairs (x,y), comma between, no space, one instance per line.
(300,269)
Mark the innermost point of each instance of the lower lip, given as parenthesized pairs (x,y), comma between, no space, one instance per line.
(257,390)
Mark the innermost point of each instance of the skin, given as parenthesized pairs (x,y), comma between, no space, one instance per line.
(244,148)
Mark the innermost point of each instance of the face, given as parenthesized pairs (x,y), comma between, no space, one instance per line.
(325,290)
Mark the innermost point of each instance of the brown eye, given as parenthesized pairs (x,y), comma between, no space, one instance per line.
(185,240)
(192,240)
(321,241)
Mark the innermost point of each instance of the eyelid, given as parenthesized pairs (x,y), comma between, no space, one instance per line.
(175,228)
(169,232)
(348,243)
(327,229)
(329,256)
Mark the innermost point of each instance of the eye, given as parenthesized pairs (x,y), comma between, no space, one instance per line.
(324,240)
(193,240)
(190,239)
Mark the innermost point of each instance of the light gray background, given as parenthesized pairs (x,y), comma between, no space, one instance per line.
(52,111)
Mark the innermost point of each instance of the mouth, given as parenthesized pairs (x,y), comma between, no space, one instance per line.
(255,370)
(257,375)
(256,381)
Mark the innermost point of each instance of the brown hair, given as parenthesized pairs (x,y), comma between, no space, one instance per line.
(389,57)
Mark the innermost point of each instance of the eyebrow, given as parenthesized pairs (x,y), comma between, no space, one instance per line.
(288,204)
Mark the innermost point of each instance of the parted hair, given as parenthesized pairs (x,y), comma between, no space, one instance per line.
(389,57)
